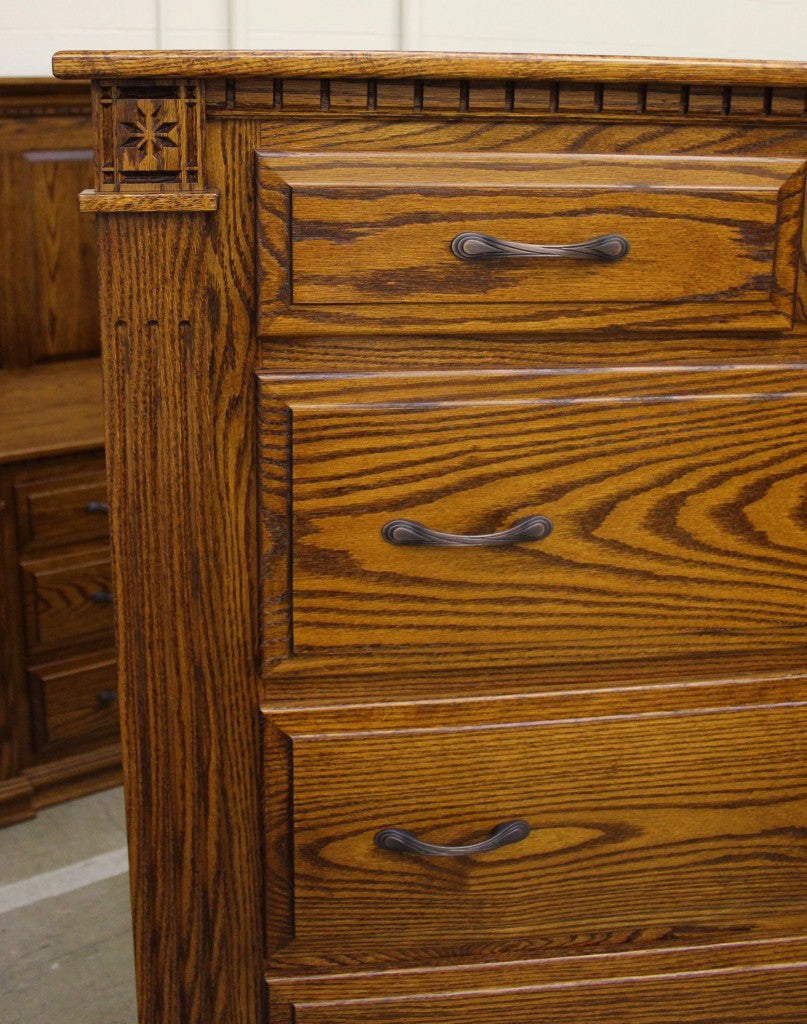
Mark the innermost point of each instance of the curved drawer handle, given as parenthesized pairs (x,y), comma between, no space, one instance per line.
(96,506)
(401,841)
(470,245)
(407,531)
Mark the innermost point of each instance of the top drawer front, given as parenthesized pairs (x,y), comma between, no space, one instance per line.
(362,242)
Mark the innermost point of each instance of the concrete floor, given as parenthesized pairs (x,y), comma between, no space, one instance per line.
(65,924)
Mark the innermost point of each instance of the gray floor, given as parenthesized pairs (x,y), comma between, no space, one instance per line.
(65,925)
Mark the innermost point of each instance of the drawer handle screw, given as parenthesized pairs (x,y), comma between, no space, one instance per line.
(96,506)
(102,597)
(410,532)
(106,698)
(470,245)
(401,841)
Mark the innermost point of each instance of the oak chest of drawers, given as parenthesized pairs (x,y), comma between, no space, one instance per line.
(58,687)
(456,419)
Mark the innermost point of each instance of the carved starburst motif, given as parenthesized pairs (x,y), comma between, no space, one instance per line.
(149,133)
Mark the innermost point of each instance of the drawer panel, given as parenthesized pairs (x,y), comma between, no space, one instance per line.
(675,502)
(63,509)
(75,702)
(775,994)
(683,820)
(68,600)
(358,242)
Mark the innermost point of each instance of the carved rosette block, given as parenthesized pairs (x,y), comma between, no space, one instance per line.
(149,135)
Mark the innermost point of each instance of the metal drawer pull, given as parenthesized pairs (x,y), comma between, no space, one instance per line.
(106,698)
(401,841)
(97,506)
(102,597)
(470,245)
(407,531)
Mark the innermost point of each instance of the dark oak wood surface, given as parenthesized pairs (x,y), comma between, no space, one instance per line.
(75,703)
(179,374)
(758,995)
(48,277)
(636,678)
(51,410)
(56,508)
(68,599)
(51,433)
(317,991)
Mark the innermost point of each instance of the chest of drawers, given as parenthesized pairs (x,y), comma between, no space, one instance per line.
(58,690)
(456,418)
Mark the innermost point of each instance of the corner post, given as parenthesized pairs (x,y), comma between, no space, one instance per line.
(179,353)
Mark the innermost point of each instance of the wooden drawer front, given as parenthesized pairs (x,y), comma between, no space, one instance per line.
(75,702)
(364,242)
(676,505)
(68,600)
(682,820)
(64,509)
(775,994)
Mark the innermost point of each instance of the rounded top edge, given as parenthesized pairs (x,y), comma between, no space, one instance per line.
(108,64)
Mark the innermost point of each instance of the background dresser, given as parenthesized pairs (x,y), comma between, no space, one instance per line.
(456,419)
(58,690)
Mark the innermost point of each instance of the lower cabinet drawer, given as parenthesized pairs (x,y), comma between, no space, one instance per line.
(68,600)
(65,508)
(649,815)
(775,994)
(75,702)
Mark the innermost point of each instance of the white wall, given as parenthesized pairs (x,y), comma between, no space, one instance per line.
(30,30)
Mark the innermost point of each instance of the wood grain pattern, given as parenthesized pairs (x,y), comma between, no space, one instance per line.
(53,781)
(90,201)
(51,426)
(15,794)
(178,376)
(675,500)
(75,703)
(47,253)
(60,609)
(668,716)
(42,97)
(387,64)
(772,995)
(356,243)
(35,773)
(553,135)
(666,821)
(63,246)
(289,991)
(51,410)
(56,506)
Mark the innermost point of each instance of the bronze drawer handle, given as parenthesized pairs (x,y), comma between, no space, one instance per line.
(401,841)
(96,506)
(470,245)
(407,531)
(102,597)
